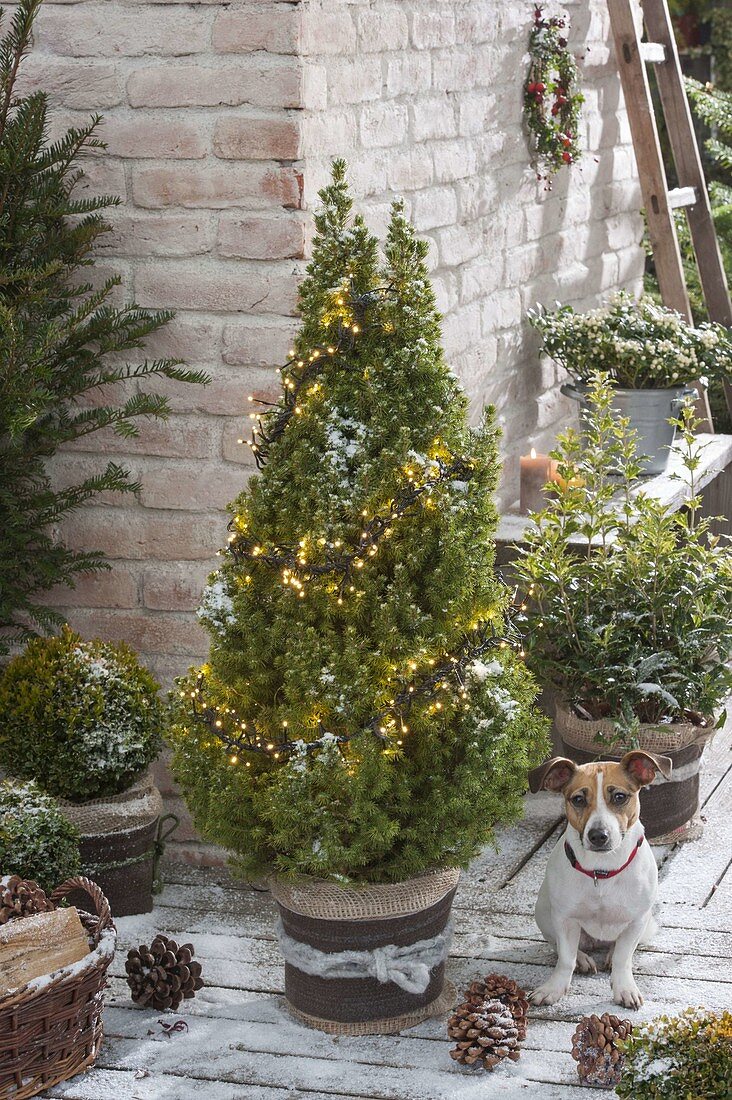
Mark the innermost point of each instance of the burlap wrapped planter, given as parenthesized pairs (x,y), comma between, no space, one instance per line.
(119,839)
(366,960)
(668,807)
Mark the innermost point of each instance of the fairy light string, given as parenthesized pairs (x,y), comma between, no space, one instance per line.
(388,724)
(293,561)
(300,370)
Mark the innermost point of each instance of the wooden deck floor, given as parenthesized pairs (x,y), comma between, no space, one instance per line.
(242,1045)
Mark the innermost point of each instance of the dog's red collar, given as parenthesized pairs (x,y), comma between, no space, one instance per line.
(596,875)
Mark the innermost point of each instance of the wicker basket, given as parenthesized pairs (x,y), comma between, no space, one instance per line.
(51,1028)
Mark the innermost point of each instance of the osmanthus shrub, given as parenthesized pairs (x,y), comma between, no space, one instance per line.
(677,1057)
(627,613)
(362,715)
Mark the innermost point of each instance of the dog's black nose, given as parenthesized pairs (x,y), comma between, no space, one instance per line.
(598,838)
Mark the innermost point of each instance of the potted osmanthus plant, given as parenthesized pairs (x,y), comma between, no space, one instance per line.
(652,356)
(628,621)
(83,719)
(361,724)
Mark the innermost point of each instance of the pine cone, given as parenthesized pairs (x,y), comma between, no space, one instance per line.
(499,987)
(486,1032)
(21,898)
(161,975)
(599,1062)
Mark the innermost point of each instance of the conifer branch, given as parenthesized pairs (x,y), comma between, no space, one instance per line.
(293,561)
(301,370)
(240,735)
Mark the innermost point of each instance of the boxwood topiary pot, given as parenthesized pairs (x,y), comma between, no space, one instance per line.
(83,718)
(120,844)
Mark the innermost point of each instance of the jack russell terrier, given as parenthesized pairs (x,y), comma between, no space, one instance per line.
(601,879)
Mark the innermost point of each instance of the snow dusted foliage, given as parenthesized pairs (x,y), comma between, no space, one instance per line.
(36,840)
(81,718)
(310,656)
(679,1058)
(217,607)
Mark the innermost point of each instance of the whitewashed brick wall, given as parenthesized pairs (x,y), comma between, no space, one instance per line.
(222,119)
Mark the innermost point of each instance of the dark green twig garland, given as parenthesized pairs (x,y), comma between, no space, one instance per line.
(551,101)
(244,736)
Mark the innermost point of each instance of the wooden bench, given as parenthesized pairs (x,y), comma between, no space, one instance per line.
(713,479)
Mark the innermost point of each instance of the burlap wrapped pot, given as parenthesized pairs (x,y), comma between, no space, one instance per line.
(669,807)
(120,844)
(368,959)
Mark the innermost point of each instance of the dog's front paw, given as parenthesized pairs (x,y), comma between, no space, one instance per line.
(585,963)
(627,993)
(549,993)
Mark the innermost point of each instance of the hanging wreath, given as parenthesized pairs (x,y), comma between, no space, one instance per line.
(551,101)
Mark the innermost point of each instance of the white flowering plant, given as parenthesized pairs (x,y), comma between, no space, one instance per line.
(639,344)
(81,718)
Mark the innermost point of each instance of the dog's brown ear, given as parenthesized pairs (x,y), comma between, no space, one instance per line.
(552,775)
(642,766)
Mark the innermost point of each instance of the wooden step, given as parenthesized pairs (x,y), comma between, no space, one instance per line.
(679,197)
(653,53)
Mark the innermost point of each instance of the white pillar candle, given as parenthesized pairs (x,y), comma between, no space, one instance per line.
(535,471)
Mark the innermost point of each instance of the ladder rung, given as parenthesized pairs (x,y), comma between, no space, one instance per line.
(681,196)
(653,52)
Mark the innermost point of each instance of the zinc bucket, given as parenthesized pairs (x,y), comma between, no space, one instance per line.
(648,411)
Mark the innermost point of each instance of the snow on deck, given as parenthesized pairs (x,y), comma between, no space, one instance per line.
(241,1044)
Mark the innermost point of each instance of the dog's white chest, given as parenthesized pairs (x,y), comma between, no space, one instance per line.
(602,907)
(604,910)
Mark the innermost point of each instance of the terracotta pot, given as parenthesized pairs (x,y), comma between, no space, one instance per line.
(667,806)
(397,938)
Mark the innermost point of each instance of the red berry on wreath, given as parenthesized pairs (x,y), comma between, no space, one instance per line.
(540,87)
(567,157)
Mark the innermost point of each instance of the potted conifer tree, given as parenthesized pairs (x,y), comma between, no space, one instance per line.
(361,723)
(627,617)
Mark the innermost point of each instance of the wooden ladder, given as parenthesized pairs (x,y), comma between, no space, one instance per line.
(633,54)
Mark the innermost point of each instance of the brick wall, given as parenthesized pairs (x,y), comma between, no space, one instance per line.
(222,119)
(425,100)
(203,108)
